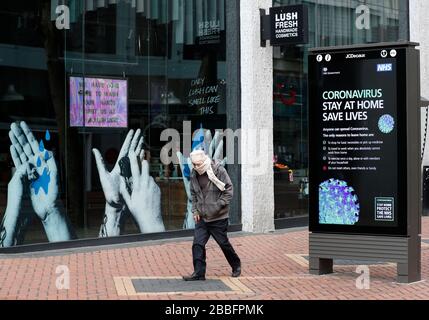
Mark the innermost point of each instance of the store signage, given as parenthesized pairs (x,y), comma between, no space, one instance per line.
(358,130)
(289,25)
(209,32)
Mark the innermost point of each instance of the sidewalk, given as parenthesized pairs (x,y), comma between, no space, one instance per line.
(274,267)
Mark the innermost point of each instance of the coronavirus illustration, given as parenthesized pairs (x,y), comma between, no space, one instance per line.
(338,203)
(386,123)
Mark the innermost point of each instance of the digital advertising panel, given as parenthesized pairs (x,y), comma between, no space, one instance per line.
(358,153)
(105,104)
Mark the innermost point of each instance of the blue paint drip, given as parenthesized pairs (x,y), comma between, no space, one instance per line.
(47,157)
(186,171)
(42,182)
(198,141)
(41,146)
(39,162)
(47,136)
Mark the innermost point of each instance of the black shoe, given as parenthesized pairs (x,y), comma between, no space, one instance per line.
(194,277)
(236,272)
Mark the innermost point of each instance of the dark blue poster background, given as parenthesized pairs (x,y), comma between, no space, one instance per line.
(356,122)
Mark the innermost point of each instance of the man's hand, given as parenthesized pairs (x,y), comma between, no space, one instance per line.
(197,218)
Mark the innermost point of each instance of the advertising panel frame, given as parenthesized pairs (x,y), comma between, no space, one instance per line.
(403,244)
(401,157)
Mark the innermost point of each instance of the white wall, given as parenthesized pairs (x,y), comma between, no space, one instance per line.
(256,114)
(419,32)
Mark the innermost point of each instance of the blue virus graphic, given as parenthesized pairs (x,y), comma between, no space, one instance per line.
(338,203)
(386,124)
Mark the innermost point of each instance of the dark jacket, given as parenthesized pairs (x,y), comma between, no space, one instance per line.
(215,204)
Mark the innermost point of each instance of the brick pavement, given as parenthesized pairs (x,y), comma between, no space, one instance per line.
(274,267)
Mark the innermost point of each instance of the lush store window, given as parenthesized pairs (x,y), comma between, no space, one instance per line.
(86,89)
(331,23)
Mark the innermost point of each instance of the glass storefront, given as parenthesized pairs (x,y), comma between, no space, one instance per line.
(331,23)
(87,88)
(88,85)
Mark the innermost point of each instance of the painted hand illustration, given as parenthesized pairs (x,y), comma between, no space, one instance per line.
(214,148)
(14,222)
(144,198)
(42,175)
(110,182)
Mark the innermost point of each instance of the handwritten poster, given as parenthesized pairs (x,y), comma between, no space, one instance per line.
(203,96)
(106,102)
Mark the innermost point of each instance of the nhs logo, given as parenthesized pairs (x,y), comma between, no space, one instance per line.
(384,67)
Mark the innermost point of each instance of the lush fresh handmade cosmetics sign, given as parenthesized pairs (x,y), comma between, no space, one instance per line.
(355,123)
(289,25)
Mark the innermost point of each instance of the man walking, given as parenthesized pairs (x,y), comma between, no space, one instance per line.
(211,191)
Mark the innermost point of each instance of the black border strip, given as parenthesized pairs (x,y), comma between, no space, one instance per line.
(294,222)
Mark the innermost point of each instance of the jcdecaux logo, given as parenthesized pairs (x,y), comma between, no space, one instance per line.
(355,56)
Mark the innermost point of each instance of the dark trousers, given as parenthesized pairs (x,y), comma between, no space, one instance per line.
(203,231)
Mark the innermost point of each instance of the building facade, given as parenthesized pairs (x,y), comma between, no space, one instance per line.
(88,86)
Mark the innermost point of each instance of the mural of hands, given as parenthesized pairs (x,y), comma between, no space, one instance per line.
(214,148)
(17,185)
(110,182)
(129,188)
(14,222)
(31,157)
(40,165)
(144,197)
